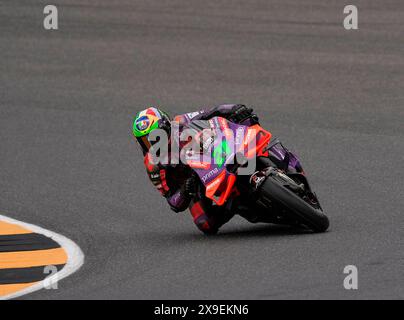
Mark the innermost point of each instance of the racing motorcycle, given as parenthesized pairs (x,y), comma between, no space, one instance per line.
(278,184)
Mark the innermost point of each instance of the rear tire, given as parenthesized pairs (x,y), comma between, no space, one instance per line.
(296,207)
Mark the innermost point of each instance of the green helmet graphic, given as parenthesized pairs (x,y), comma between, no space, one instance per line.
(145,122)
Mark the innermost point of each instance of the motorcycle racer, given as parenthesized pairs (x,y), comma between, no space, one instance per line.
(176,182)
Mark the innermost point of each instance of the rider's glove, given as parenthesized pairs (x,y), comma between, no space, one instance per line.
(240,113)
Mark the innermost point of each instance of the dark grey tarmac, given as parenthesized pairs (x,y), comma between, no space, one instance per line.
(335,97)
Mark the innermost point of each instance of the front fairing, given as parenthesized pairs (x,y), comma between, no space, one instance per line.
(219,142)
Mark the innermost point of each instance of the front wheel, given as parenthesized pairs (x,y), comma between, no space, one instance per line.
(273,190)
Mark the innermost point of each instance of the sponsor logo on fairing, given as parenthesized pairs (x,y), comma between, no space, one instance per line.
(213,185)
(208,142)
(192,115)
(239,136)
(210,174)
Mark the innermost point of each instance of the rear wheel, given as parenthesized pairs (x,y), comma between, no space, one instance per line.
(277,188)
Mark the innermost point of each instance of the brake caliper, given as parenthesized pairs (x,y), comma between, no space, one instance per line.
(257,178)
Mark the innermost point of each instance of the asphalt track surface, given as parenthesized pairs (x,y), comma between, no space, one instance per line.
(335,97)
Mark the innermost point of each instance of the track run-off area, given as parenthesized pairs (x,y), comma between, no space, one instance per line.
(32,258)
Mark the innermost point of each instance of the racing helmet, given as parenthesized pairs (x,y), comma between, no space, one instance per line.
(147,121)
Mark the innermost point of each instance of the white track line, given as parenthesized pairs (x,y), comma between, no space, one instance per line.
(75,257)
